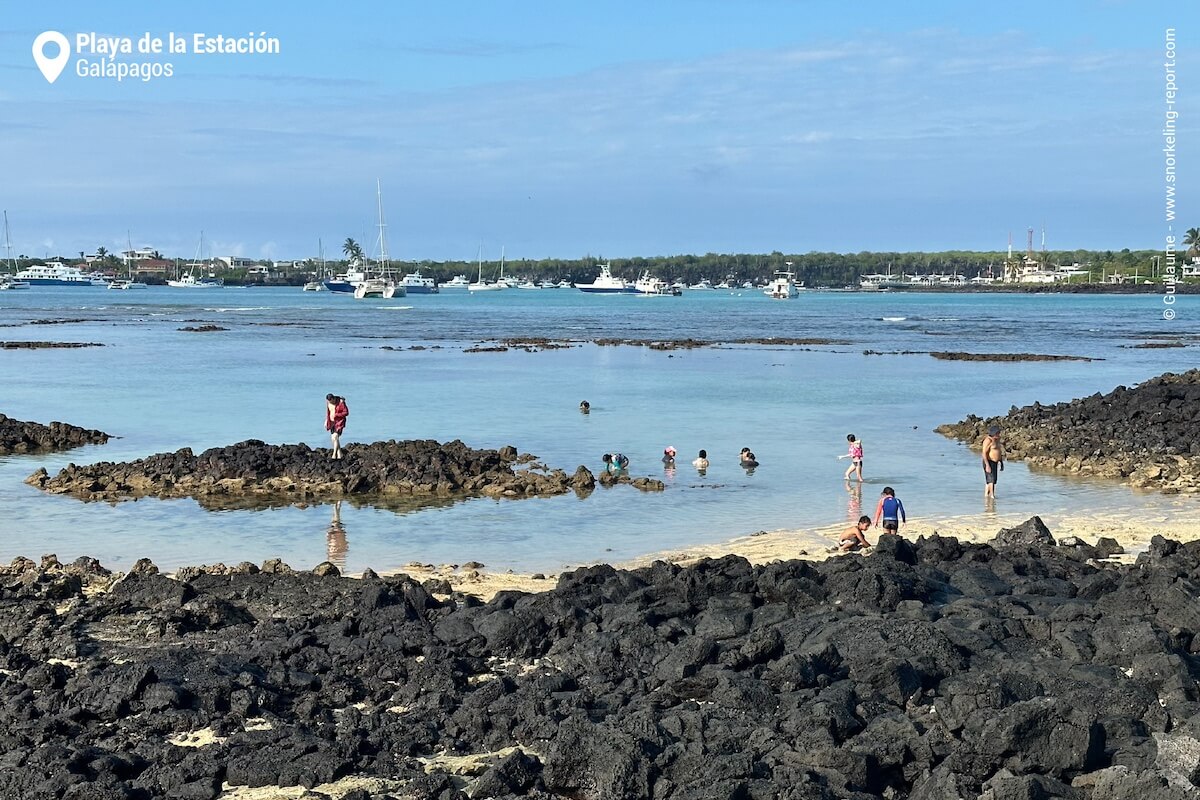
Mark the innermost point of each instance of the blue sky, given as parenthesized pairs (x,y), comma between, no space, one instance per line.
(564,129)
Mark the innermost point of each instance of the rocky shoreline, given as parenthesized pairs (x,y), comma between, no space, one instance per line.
(1148,435)
(17,436)
(261,472)
(927,670)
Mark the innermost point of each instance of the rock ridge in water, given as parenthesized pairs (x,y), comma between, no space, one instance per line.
(1148,434)
(17,436)
(930,669)
(298,473)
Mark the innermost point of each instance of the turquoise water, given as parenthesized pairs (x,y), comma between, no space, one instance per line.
(266,377)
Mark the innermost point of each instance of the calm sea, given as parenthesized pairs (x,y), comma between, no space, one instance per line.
(161,389)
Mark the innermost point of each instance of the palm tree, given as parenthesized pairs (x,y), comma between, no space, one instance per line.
(1192,240)
(353,250)
(101,251)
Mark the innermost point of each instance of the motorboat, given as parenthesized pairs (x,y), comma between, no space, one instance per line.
(457,282)
(528,285)
(705,285)
(125,284)
(415,283)
(346,282)
(783,286)
(8,282)
(547,285)
(649,285)
(605,283)
(564,284)
(314,286)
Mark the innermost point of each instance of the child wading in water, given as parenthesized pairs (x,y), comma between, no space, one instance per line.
(855,455)
(891,510)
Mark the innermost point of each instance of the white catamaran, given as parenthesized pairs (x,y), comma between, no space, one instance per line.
(382,285)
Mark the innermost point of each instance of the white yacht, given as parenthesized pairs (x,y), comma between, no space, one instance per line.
(649,285)
(705,285)
(783,286)
(457,282)
(528,285)
(125,284)
(605,283)
(314,286)
(564,284)
(53,273)
(415,283)
(8,282)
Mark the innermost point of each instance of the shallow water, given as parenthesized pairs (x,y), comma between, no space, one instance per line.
(265,378)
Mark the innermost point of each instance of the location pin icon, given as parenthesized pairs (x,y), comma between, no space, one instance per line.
(51,67)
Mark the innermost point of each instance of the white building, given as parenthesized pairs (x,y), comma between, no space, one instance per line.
(236,262)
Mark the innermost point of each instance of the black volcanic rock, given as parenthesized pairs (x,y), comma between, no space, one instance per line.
(929,669)
(1148,435)
(256,472)
(33,437)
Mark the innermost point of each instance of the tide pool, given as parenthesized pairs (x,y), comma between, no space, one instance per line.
(266,376)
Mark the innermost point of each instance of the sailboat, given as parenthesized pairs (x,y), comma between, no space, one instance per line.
(317,285)
(127,283)
(190,281)
(383,285)
(479,285)
(10,281)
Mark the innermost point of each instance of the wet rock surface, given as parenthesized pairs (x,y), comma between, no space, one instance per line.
(254,471)
(929,669)
(17,436)
(47,345)
(1148,434)
(955,356)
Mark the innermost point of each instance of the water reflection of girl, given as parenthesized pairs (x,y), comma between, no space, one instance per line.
(335,539)
(854,506)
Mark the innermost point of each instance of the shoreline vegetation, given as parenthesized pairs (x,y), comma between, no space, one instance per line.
(1131,269)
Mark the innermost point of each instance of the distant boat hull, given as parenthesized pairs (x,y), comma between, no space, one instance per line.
(344,287)
(583,287)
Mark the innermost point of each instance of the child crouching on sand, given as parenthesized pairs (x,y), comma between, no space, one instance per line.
(852,538)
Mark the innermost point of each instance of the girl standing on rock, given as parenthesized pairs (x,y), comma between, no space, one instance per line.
(336,412)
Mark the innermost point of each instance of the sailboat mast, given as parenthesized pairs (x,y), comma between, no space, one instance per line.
(8,243)
(383,254)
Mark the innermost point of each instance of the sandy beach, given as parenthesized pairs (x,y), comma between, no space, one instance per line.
(1133,532)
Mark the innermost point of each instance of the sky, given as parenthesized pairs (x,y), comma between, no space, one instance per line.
(616,129)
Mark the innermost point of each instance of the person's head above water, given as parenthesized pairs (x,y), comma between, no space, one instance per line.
(669,451)
(703,454)
(850,437)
